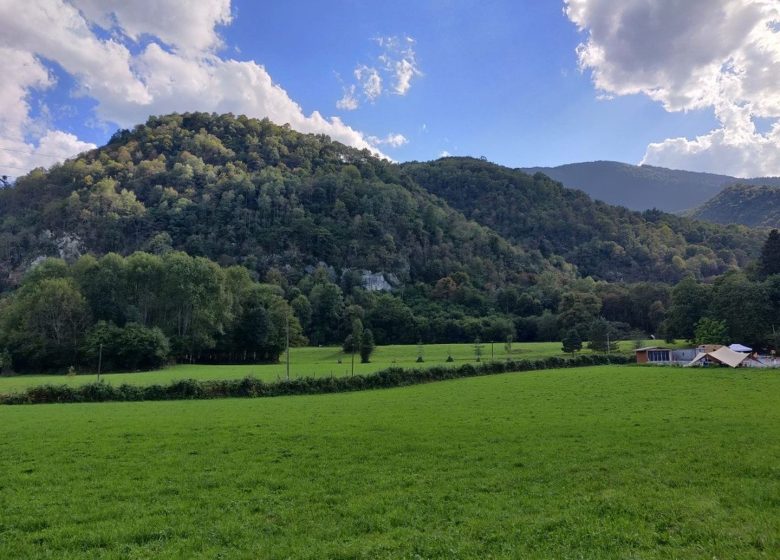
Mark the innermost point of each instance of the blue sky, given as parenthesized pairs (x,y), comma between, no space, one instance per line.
(496,78)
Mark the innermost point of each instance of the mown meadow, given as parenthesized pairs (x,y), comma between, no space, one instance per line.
(600,462)
(308,362)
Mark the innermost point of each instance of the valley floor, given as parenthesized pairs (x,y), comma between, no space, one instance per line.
(600,462)
(310,361)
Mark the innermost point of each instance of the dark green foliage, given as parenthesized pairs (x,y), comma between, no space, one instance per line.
(43,325)
(602,336)
(770,253)
(146,306)
(690,301)
(250,387)
(571,342)
(129,348)
(744,306)
(367,346)
(606,242)
(756,205)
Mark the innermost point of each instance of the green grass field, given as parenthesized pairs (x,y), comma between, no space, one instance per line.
(601,462)
(307,362)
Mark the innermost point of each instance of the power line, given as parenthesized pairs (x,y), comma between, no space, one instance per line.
(3,165)
(29,152)
(25,169)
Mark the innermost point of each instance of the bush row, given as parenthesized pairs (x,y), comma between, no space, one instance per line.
(252,387)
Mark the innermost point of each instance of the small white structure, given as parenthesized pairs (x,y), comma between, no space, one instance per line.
(740,348)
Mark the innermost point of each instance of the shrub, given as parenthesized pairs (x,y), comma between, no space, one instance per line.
(129,348)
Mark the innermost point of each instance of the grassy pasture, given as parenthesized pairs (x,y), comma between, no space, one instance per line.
(602,462)
(306,362)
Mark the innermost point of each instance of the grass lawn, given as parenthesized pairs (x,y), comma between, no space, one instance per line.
(307,362)
(601,462)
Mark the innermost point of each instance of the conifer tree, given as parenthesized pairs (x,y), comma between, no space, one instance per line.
(770,254)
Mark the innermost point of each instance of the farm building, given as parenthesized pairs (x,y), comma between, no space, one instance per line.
(660,355)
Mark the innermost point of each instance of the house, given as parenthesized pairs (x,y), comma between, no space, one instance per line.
(653,355)
(660,355)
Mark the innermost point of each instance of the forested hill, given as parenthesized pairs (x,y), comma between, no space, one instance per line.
(644,187)
(244,191)
(751,205)
(604,241)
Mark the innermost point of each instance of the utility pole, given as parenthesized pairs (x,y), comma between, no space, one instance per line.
(100,361)
(287,332)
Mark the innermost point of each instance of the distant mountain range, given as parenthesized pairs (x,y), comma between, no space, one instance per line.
(644,187)
(750,205)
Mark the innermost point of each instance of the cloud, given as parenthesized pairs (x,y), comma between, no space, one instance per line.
(392,140)
(187,27)
(400,60)
(135,59)
(348,102)
(370,81)
(722,55)
(22,74)
(396,64)
(444,153)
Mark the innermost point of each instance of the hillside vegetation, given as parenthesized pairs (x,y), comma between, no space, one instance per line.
(603,241)
(195,237)
(750,205)
(244,191)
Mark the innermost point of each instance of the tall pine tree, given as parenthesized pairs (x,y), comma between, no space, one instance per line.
(770,254)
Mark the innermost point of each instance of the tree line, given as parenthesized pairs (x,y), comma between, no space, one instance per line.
(145,310)
(139,312)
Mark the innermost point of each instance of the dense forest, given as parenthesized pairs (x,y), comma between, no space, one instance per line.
(750,205)
(603,241)
(200,237)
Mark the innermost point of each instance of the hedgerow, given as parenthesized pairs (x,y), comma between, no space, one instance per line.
(251,387)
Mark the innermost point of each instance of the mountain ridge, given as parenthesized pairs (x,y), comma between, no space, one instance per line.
(745,204)
(644,187)
(244,191)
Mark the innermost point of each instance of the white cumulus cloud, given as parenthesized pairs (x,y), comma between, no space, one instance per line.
(722,55)
(178,68)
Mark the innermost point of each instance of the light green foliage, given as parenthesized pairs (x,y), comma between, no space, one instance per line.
(603,462)
(710,331)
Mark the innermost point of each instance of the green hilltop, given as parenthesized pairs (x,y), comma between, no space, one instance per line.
(750,205)
(244,191)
